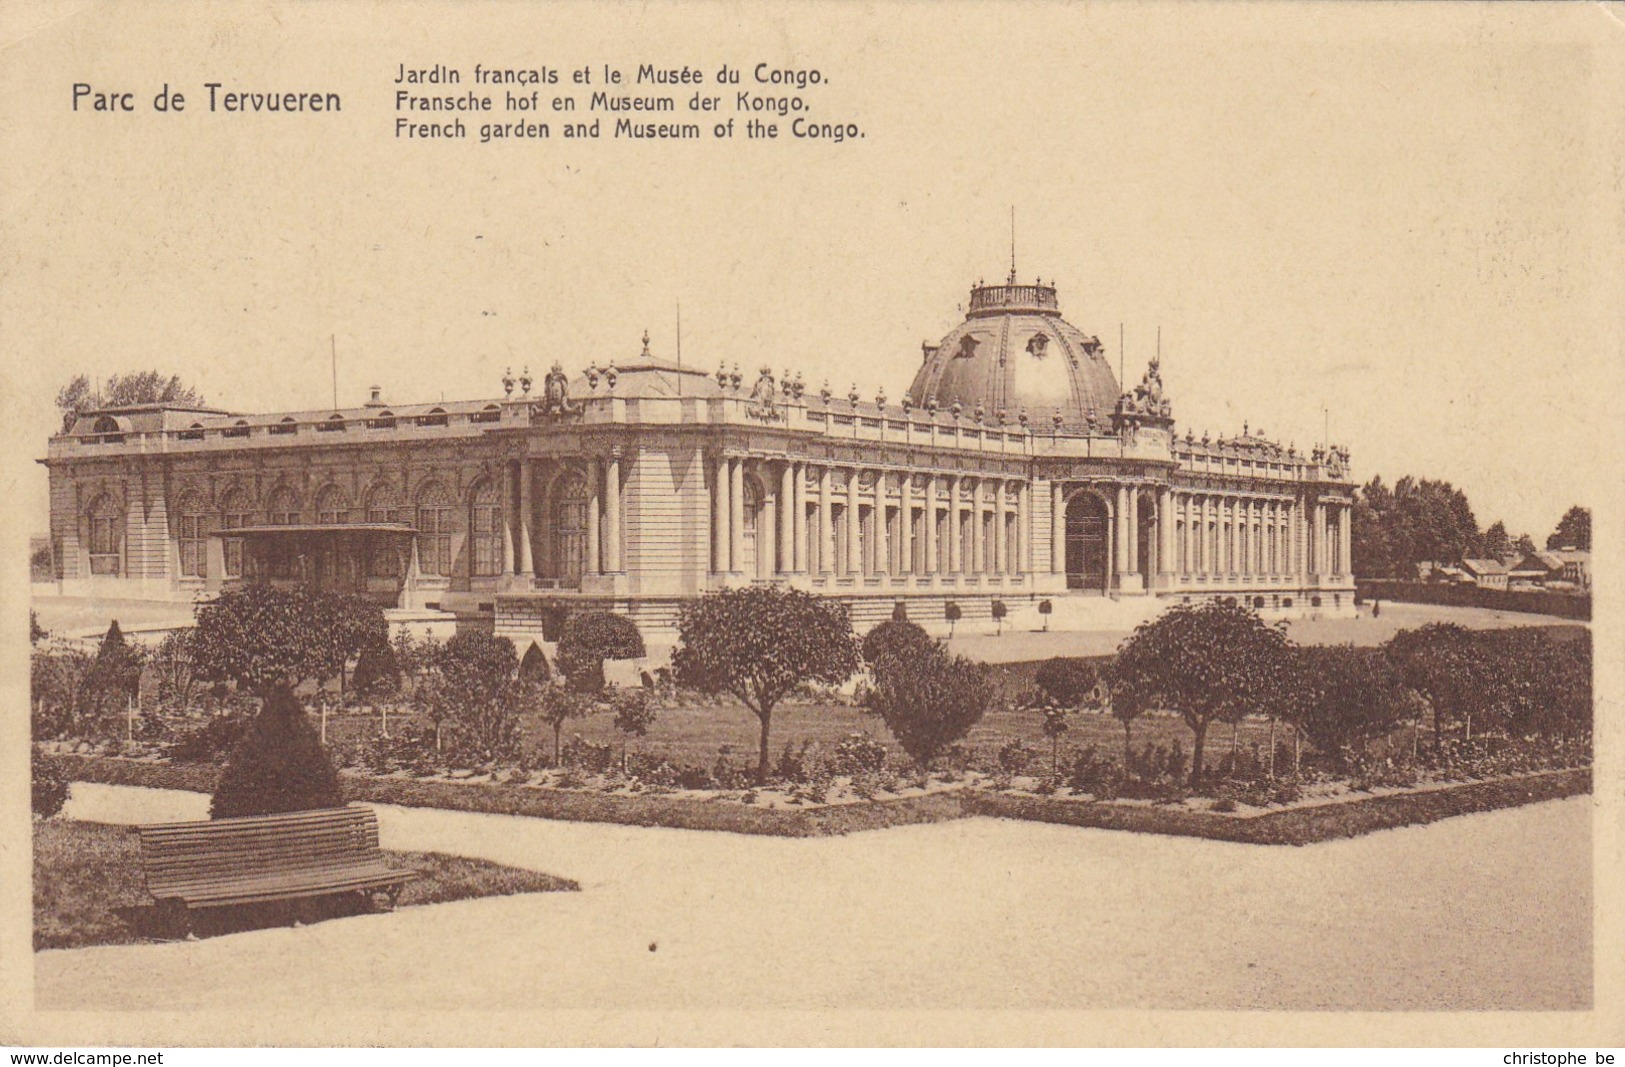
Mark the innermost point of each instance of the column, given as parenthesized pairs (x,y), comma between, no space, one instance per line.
(1210,536)
(1345,532)
(526,565)
(854,545)
(736,514)
(799,496)
(508,509)
(612,513)
(719,517)
(929,517)
(956,548)
(544,551)
(1167,556)
(787,527)
(595,483)
(905,524)
(978,547)
(1057,528)
(826,523)
(766,527)
(1024,528)
(881,538)
(1120,526)
(997,560)
(1134,529)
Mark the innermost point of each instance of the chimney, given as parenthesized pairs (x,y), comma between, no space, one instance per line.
(377,397)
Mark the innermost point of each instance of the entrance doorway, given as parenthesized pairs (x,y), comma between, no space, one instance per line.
(1086,527)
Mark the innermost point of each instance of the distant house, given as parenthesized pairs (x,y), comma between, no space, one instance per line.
(1554,568)
(1486,573)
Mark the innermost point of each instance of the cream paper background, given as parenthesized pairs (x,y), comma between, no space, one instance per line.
(1408,214)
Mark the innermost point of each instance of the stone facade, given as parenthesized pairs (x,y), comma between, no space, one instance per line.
(642,483)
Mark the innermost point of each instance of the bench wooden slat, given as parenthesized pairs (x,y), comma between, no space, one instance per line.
(211,863)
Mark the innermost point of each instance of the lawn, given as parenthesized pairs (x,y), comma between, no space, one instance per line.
(694,735)
(88,888)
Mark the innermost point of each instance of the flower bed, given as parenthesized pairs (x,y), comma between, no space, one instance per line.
(1322,813)
(1300,825)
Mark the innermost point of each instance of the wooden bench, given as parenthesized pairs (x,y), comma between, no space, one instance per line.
(263,858)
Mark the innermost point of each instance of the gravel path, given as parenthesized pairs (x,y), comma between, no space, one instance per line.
(1016,646)
(1488,911)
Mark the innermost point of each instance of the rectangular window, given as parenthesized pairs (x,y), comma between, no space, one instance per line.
(434,541)
(487,539)
(193,555)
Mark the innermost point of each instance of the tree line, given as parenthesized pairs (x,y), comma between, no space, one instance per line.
(1423,520)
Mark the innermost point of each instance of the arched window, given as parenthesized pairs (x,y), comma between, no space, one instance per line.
(485,527)
(106,519)
(384,504)
(189,512)
(235,513)
(282,507)
(434,530)
(332,506)
(568,504)
(753,506)
(105,424)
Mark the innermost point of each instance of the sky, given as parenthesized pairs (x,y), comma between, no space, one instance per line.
(1395,223)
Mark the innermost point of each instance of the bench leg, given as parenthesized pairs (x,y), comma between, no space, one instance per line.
(384,899)
(177,917)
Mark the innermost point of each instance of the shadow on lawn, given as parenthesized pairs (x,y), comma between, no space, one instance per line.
(153,922)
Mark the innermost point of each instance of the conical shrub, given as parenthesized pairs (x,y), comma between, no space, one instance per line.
(277,765)
(376,670)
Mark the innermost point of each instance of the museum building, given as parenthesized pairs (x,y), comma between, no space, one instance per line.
(1013,469)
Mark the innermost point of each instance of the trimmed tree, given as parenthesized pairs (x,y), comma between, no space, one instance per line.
(591,638)
(558,705)
(999,612)
(1067,680)
(634,714)
(895,638)
(760,643)
(115,676)
(376,672)
(1446,664)
(951,613)
(473,688)
(1209,662)
(1355,695)
(171,661)
(277,765)
(262,637)
(930,701)
(1046,608)
(1055,725)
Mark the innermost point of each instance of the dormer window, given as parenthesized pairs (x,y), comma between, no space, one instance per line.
(967,347)
(384,420)
(1038,345)
(236,429)
(193,432)
(287,425)
(490,413)
(435,417)
(334,424)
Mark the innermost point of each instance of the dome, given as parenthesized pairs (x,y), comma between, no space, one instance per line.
(1015,353)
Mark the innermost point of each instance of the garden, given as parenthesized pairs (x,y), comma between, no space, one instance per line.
(773,717)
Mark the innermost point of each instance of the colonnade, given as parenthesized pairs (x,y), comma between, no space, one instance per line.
(778,518)
(1226,535)
(600,499)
